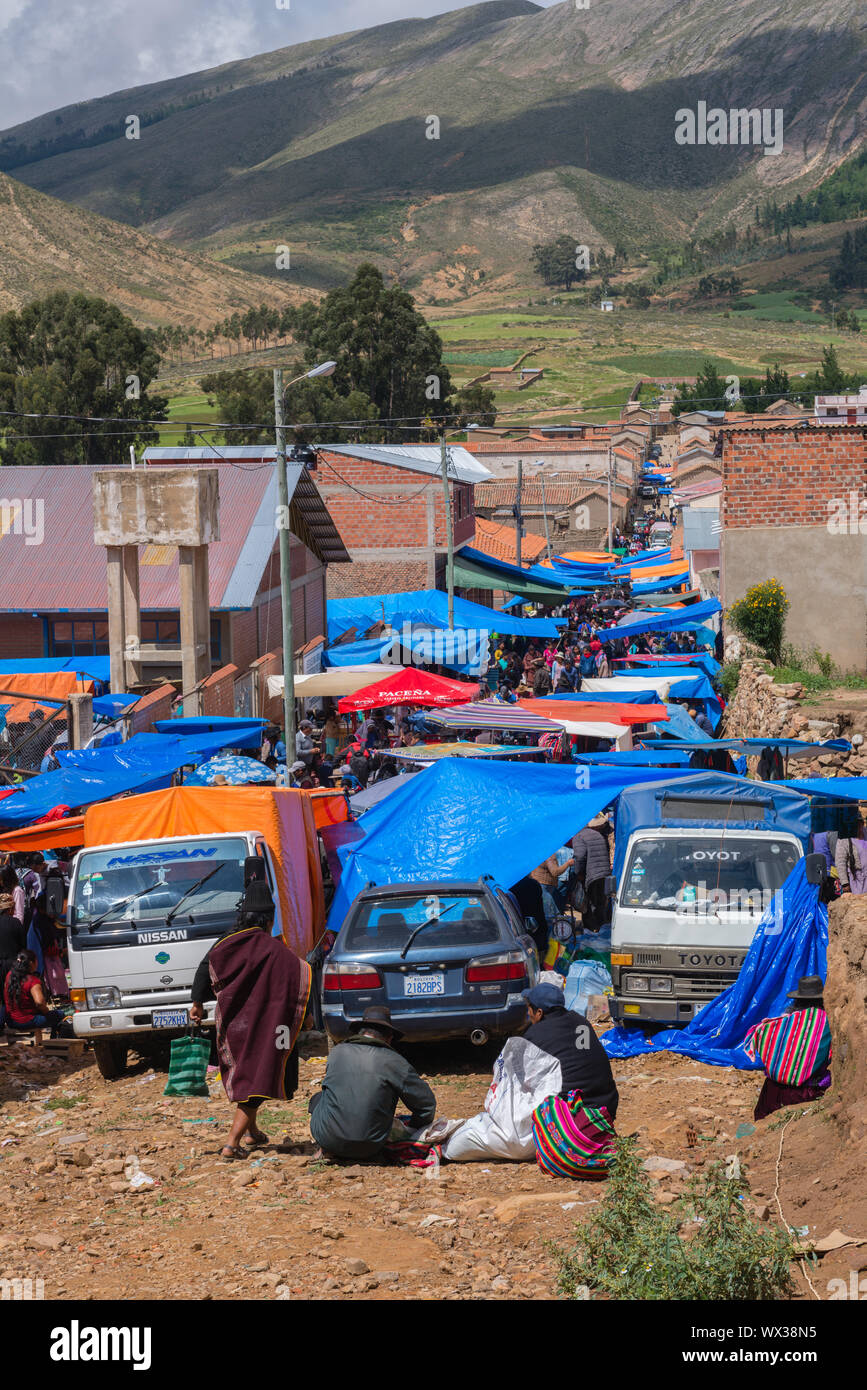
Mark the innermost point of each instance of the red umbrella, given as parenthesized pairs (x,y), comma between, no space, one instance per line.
(409,687)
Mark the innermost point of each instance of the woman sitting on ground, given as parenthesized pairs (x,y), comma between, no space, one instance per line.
(26,1005)
(794,1049)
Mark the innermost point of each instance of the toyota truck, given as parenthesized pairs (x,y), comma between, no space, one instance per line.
(695,869)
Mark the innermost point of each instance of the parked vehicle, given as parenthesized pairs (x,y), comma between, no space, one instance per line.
(661,535)
(695,870)
(646,490)
(143,911)
(449,959)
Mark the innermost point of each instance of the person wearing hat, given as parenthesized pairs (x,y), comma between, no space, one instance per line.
(365,1079)
(304,745)
(794,1049)
(591,859)
(262,989)
(573,1131)
(296,772)
(542,683)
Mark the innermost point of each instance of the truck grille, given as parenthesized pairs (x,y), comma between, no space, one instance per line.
(649,958)
(706,986)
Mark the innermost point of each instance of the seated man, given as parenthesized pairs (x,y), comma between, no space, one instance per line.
(352,1115)
(794,1050)
(573,1131)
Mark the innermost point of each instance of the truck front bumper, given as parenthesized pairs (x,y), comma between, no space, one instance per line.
(656,1010)
(107,1023)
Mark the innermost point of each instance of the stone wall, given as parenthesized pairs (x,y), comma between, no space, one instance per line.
(759,706)
(846,1002)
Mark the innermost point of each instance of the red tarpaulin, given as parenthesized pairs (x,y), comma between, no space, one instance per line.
(607,712)
(409,687)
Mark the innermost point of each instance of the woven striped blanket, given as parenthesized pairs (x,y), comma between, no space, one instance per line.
(792,1048)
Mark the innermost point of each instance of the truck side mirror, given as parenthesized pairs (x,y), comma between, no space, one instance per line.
(55,892)
(816,867)
(610,885)
(254,869)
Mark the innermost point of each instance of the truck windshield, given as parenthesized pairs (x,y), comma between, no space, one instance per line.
(729,873)
(108,878)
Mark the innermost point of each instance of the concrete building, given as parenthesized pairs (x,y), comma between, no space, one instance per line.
(388,504)
(565,455)
(794,508)
(576,510)
(849,409)
(54,595)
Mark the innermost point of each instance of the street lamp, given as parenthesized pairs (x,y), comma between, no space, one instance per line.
(323,369)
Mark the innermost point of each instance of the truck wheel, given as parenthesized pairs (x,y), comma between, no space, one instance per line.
(111,1055)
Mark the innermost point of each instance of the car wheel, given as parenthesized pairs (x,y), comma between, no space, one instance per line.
(111,1055)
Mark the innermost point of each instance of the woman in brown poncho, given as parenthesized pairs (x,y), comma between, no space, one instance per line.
(262,989)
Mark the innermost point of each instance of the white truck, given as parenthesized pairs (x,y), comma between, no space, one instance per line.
(695,869)
(143,912)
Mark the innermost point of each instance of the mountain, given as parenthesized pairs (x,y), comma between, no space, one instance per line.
(47,245)
(550,120)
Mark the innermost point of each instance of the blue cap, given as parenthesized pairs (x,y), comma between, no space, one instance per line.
(545,997)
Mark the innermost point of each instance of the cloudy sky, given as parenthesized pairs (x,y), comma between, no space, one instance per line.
(59,51)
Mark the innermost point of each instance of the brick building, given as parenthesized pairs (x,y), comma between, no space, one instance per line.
(794,507)
(388,504)
(54,595)
(576,509)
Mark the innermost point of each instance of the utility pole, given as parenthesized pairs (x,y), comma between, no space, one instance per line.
(518,517)
(450,535)
(541,466)
(285,573)
(609,498)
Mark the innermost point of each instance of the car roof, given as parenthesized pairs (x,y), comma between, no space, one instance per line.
(402,890)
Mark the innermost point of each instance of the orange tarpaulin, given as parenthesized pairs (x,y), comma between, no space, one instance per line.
(606,712)
(284,817)
(329,807)
(53,685)
(55,834)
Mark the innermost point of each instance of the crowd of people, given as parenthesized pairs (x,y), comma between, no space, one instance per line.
(33,960)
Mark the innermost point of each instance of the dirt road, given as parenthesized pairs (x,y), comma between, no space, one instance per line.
(281,1226)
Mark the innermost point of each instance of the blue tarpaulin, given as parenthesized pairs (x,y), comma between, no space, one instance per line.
(698,660)
(616,697)
(680,620)
(659,586)
(637,757)
(357,653)
(680,725)
(86,775)
(849,787)
(249,731)
(790,941)
(89,667)
(470,817)
(110,706)
(428,608)
(515,573)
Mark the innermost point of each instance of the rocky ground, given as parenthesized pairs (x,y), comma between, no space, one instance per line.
(280,1225)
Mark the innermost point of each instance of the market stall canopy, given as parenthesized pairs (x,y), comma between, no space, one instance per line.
(637,757)
(50,834)
(476,570)
(336,681)
(661,585)
(607,712)
(685,684)
(409,687)
(692,615)
(493,714)
(468,817)
(231,770)
(427,608)
(623,697)
(428,753)
(751,747)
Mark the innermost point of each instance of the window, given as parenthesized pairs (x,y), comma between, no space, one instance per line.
(83,637)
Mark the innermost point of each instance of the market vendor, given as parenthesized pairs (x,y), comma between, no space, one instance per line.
(794,1050)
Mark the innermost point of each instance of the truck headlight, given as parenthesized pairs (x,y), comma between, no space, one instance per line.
(637,984)
(106,997)
(660,984)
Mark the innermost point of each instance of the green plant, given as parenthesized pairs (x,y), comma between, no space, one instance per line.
(761,616)
(633,1249)
(63,1102)
(824,662)
(729,677)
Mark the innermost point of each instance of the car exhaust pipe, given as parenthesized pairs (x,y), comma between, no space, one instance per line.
(478,1037)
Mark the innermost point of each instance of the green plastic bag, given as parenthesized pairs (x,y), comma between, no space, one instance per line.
(188,1067)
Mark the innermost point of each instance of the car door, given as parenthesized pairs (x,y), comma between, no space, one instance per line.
(518,927)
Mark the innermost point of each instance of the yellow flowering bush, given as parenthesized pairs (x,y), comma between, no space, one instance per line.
(761,616)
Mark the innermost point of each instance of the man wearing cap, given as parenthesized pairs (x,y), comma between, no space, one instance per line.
(304,745)
(352,1116)
(573,1131)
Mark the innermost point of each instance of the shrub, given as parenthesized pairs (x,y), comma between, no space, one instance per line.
(633,1249)
(729,677)
(761,616)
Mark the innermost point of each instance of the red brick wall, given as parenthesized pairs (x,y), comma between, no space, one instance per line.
(157,704)
(787,478)
(244,644)
(377,577)
(218,693)
(20,637)
(271,664)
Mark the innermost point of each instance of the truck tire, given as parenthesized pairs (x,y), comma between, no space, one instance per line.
(111,1055)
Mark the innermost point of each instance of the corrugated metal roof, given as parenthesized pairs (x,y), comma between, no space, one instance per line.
(419,458)
(67,571)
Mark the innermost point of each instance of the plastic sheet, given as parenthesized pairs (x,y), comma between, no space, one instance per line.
(790,941)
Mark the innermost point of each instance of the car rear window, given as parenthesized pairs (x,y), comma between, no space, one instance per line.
(452,921)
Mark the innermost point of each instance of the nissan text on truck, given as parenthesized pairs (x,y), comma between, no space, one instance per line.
(696,866)
(160,878)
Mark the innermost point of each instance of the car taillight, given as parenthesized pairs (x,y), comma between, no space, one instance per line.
(509,966)
(350,975)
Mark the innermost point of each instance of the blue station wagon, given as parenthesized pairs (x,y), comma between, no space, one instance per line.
(450,960)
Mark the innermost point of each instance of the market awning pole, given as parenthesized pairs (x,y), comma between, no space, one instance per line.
(285,573)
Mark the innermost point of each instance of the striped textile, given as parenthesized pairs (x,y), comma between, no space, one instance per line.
(572,1140)
(792,1048)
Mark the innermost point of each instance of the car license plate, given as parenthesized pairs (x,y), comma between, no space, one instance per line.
(170,1018)
(424,984)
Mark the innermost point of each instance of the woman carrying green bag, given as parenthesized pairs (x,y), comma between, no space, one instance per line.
(261,988)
